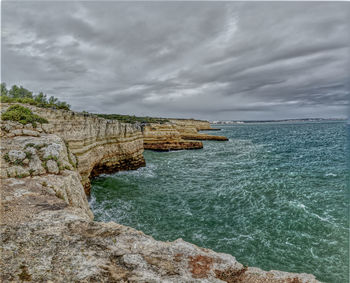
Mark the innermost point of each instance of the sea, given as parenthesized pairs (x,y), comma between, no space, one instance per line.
(275,196)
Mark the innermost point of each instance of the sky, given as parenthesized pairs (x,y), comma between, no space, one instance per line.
(205,60)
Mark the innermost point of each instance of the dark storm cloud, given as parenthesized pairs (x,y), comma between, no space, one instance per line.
(214,60)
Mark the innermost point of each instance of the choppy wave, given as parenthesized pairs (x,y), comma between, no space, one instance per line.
(274,196)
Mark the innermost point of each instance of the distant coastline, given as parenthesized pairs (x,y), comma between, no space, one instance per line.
(276,121)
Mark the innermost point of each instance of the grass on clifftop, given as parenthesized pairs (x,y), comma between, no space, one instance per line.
(23,115)
(133,119)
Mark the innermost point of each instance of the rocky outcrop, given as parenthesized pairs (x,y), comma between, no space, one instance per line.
(199,136)
(34,169)
(62,246)
(95,145)
(188,130)
(47,231)
(177,134)
(164,137)
(199,125)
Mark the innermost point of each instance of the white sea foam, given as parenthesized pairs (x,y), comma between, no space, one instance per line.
(330,175)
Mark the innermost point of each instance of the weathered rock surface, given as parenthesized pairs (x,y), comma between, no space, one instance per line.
(188,130)
(47,232)
(177,134)
(199,125)
(61,246)
(48,171)
(164,137)
(98,145)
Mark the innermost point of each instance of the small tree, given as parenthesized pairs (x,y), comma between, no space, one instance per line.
(41,98)
(4,91)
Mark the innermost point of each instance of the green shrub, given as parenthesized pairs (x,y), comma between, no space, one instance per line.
(7,158)
(29,145)
(28,155)
(133,119)
(22,115)
(16,162)
(40,146)
(51,157)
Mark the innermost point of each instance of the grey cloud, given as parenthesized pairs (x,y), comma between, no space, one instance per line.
(212,60)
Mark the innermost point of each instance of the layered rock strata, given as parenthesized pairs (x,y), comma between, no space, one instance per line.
(47,231)
(201,137)
(95,145)
(164,137)
(199,125)
(189,130)
(177,134)
(36,171)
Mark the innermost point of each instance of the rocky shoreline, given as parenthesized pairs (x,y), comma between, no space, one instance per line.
(47,228)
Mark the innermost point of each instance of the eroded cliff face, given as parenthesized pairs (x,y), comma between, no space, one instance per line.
(36,170)
(164,137)
(95,145)
(177,134)
(199,125)
(47,232)
(189,130)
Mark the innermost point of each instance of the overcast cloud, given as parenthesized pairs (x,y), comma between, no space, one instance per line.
(211,60)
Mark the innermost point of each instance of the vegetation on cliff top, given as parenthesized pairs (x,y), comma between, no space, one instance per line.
(22,95)
(133,119)
(22,115)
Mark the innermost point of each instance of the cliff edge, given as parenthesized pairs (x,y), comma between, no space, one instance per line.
(47,231)
(164,137)
(189,130)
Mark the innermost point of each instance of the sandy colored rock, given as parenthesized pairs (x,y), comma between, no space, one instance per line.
(98,145)
(164,137)
(199,125)
(52,150)
(189,130)
(30,133)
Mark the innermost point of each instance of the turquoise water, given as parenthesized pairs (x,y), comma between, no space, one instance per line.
(274,196)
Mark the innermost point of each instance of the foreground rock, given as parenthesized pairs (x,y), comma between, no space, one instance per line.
(62,246)
(47,234)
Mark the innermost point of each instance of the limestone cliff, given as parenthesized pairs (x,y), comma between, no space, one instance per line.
(95,145)
(163,137)
(47,232)
(200,125)
(177,134)
(188,130)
